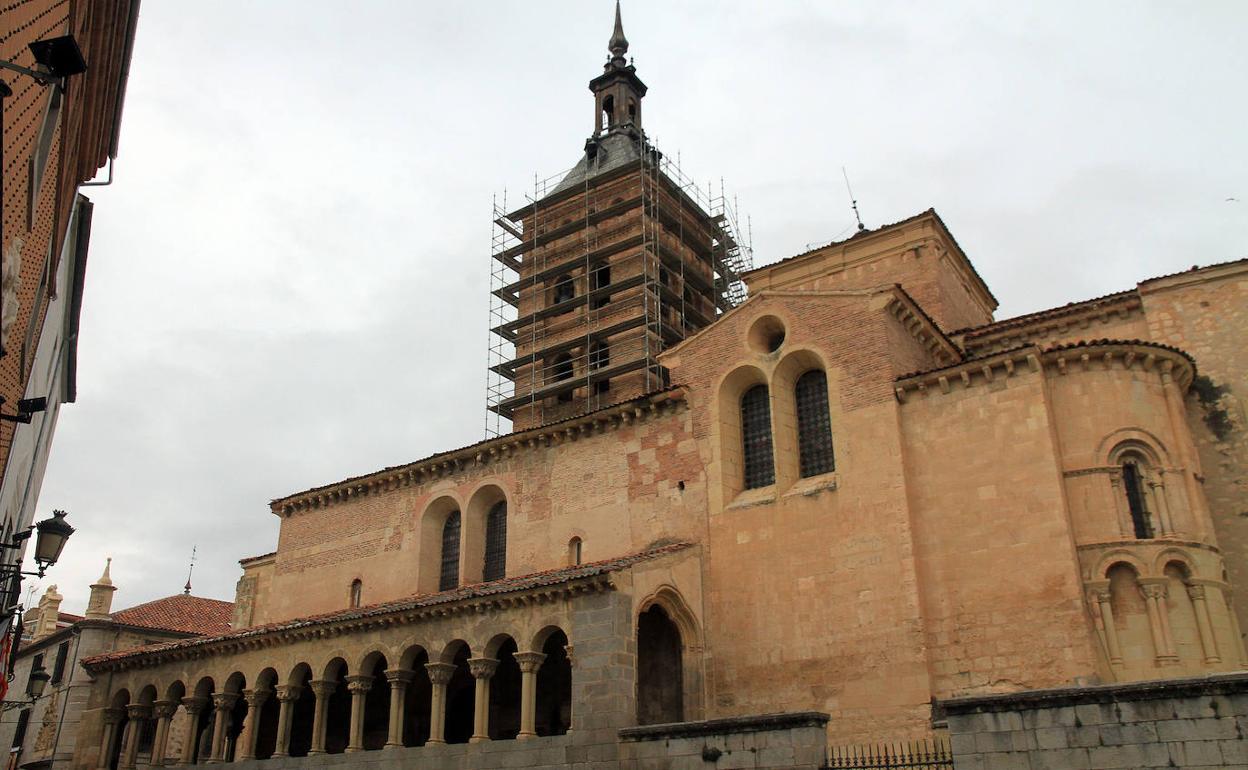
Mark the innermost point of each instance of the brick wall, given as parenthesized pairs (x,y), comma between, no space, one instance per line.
(1186,723)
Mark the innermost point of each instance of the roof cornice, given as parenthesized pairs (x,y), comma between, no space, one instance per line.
(1105,354)
(397,613)
(485,452)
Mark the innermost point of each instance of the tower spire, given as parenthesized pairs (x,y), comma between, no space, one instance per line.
(618,44)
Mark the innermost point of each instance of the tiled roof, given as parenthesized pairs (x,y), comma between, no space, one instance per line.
(1074,307)
(250,559)
(533,580)
(1055,312)
(1195,269)
(182,613)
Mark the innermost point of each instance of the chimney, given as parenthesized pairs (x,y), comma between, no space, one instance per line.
(101,602)
(49,612)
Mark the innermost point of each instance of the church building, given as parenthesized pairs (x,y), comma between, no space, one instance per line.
(833,491)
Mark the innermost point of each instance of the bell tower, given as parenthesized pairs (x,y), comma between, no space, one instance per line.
(617,91)
(603,268)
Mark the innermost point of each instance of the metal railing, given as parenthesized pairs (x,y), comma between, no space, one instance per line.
(925,753)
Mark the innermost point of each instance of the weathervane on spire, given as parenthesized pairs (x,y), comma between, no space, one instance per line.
(187,588)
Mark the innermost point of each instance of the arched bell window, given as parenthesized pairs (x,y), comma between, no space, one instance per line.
(565,289)
(448,578)
(814,424)
(758,461)
(496,542)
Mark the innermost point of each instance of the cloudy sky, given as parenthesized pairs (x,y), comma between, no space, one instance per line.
(287,281)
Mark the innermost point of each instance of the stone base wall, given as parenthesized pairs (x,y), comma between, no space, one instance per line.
(1179,723)
(552,753)
(797,740)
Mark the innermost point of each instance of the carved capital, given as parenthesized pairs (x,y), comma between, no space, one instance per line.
(138,711)
(113,716)
(400,677)
(194,705)
(323,688)
(1153,590)
(256,698)
(1196,592)
(359,683)
(165,709)
(224,701)
(482,668)
(440,673)
(529,662)
(289,692)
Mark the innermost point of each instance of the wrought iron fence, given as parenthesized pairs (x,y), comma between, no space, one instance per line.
(909,754)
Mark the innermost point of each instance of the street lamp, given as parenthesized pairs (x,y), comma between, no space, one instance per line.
(50,540)
(50,537)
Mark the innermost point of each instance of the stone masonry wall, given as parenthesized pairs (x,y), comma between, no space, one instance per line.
(1184,723)
(1205,312)
(769,741)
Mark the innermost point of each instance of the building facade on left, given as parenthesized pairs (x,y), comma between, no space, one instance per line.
(63,71)
(42,734)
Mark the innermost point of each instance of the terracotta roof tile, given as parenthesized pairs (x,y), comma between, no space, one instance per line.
(1073,307)
(478,590)
(250,559)
(1054,312)
(181,612)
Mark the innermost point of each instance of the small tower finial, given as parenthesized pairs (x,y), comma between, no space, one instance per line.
(618,45)
(102,590)
(186,589)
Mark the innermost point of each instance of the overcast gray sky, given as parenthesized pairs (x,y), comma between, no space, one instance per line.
(287,282)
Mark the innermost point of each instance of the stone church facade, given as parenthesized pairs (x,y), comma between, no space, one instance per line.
(855,493)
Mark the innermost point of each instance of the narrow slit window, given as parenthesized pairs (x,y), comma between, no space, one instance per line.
(496,542)
(449,577)
(814,424)
(357,588)
(756,438)
(600,279)
(1134,483)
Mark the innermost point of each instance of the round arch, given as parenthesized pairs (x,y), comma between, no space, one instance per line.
(432,520)
(481,502)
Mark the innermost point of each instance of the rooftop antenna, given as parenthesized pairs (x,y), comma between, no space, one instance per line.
(853,202)
(187,588)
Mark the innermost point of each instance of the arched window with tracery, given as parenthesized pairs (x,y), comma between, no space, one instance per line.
(1133,480)
(496,542)
(756,448)
(814,424)
(357,589)
(448,578)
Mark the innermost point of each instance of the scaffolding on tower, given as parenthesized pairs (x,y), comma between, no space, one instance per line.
(601,269)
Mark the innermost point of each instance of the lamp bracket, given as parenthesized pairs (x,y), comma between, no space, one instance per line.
(42,78)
